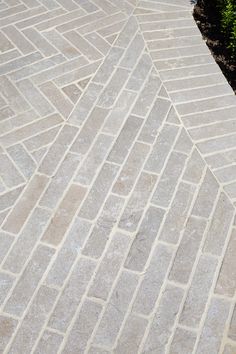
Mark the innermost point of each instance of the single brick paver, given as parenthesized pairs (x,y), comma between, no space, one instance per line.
(117,181)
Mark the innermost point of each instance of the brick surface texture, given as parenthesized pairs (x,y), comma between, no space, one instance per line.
(117,181)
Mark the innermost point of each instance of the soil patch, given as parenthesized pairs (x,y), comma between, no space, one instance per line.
(207,20)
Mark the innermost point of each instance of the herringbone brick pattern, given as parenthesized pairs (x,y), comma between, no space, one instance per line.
(117,181)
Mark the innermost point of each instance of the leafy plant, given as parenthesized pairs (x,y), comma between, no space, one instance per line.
(227,17)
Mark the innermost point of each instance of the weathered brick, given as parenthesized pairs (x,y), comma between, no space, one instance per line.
(55,96)
(214,324)
(154,120)
(49,343)
(125,139)
(226,283)
(7,328)
(151,284)
(26,285)
(22,159)
(82,328)
(68,252)
(103,227)
(94,160)
(64,215)
(85,103)
(140,73)
(131,168)
(60,181)
(119,112)
(27,131)
(183,342)
(6,283)
(89,131)
(72,294)
(194,169)
(169,179)
(232,328)
(9,173)
(83,45)
(34,320)
(99,191)
(206,196)
(144,239)
(9,198)
(161,148)
(198,293)
(187,250)
(109,266)
(137,202)
(164,320)
(25,204)
(177,215)
(57,150)
(113,88)
(147,95)
(107,67)
(113,316)
(131,336)
(219,226)
(33,95)
(25,242)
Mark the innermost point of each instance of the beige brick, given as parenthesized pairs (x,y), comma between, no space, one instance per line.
(177,215)
(22,209)
(163,320)
(220,223)
(214,324)
(198,293)
(187,250)
(27,131)
(49,343)
(153,122)
(72,294)
(12,95)
(125,139)
(130,171)
(93,161)
(69,251)
(183,342)
(7,328)
(226,283)
(101,232)
(18,39)
(89,131)
(64,215)
(152,281)
(8,172)
(131,335)
(82,328)
(55,96)
(57,150)
(34,320)
(206,196)
(26,285)
(113,316)
(137,202)
(99,190)
(24,244)
(108,269)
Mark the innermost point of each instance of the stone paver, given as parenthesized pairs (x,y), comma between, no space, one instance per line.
(117,181)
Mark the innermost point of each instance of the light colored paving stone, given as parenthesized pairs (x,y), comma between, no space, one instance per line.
(117,181)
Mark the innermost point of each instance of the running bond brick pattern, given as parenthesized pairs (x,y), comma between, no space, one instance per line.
(117,181)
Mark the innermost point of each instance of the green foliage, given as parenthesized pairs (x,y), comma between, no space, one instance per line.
(227,15)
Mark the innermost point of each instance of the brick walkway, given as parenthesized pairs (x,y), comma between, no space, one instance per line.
(118,181)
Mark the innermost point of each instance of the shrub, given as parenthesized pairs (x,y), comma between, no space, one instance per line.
(227,18)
